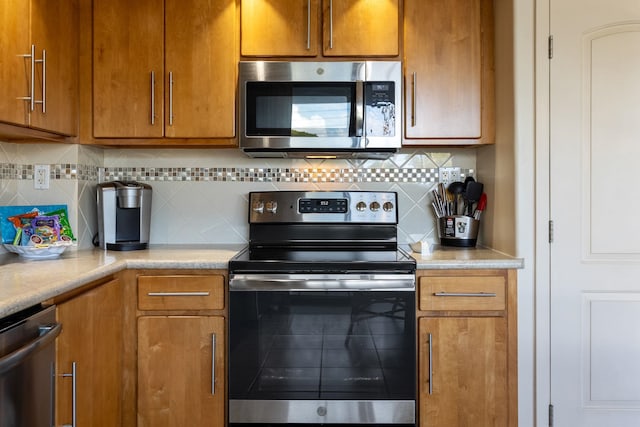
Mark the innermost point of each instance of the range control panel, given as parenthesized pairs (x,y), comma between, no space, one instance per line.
(375,207)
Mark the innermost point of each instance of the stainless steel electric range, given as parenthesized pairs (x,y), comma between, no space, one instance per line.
(322,313)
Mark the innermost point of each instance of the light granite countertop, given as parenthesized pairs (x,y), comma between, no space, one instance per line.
(24,282)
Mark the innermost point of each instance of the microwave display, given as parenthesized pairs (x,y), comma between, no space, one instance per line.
(300,109)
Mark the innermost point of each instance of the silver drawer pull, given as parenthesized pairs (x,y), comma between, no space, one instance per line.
(465,294)
(178,294)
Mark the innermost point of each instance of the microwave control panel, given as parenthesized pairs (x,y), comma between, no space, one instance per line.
(380,111)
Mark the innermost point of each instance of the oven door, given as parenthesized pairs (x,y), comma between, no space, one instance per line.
(322,350)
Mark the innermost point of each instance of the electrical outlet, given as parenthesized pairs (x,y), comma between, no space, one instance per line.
(41,177)
(448,175)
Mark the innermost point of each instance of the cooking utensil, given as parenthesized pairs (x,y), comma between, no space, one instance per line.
(472,194)
(482,204)
(456,188)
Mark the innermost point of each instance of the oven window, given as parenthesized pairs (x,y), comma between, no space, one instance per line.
(322,345)
(300,109)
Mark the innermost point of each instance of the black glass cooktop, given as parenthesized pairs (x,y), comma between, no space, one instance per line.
(300,260)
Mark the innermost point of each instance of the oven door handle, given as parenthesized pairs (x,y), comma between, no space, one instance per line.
(400,282)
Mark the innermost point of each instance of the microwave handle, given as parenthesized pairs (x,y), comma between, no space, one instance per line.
(359,108)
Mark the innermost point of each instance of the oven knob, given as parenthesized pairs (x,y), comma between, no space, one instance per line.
(321,411)
(272,206)
(258,207)
(361,206)
(387,206)
(374,206)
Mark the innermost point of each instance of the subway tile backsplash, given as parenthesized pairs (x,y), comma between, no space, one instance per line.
(200,195)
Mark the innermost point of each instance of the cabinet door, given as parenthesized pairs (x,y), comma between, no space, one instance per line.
(463,371)
(92,338)
(443,65)
(128,68)
(15,71)
(279,27)
(201,62)
(360,28)
(54,29)
(181,371)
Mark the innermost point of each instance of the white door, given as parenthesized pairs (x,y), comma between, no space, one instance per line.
(595,207)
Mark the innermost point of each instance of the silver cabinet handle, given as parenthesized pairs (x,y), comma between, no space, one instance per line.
(359,108)
(465,294)
(178,294)
(171,98)
(43,61)
(308,24)
(30,98)
(153,97)
(73,377)
(213,364)
(330,24)
(414,91)
(430,338)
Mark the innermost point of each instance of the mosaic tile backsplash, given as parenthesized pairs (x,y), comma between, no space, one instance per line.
(200,196)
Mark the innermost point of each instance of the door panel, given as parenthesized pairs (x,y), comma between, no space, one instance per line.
(594,129)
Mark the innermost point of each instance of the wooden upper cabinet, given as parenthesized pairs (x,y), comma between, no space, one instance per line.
(128,68)
(279,27)
(448,48)
(201,64)
(51,27)
(360,28)
(14,70)
(164,69)
(54,30)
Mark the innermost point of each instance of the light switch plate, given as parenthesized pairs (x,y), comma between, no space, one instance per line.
(41,177)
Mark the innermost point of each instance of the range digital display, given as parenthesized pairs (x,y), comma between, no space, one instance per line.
(322,205)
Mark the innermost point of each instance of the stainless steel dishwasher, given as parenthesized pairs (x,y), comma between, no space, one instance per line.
(27,368)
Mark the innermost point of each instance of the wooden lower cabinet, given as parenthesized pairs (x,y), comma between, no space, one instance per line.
(467,348)
(181,371)
(92,341)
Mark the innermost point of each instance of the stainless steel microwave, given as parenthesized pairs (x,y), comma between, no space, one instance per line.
(320,109)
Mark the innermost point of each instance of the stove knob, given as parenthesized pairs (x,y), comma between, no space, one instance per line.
(387,206)
(374,206)
(258,207)
(361,206)
(272,206)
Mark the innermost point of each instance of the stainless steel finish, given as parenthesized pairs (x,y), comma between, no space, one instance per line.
(153,97)
(74,377)
(318,281)
(27,367)
(287,203)
(170,98)
(414,91)
(364,146)
(43,61)
(330,24)
(323,411)
(31,97)
(308,24)
(213,364)
(360,108)
(430,338)
(178,294)
(15,358)
(464,294)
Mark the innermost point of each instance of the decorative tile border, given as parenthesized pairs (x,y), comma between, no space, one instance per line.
(229,174)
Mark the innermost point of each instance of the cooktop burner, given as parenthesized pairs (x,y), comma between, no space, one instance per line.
(317,260)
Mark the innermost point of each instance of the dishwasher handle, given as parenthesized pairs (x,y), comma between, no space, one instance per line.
(13,359)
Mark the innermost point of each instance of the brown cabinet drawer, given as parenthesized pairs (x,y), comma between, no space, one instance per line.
(186,292)
(454,293)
